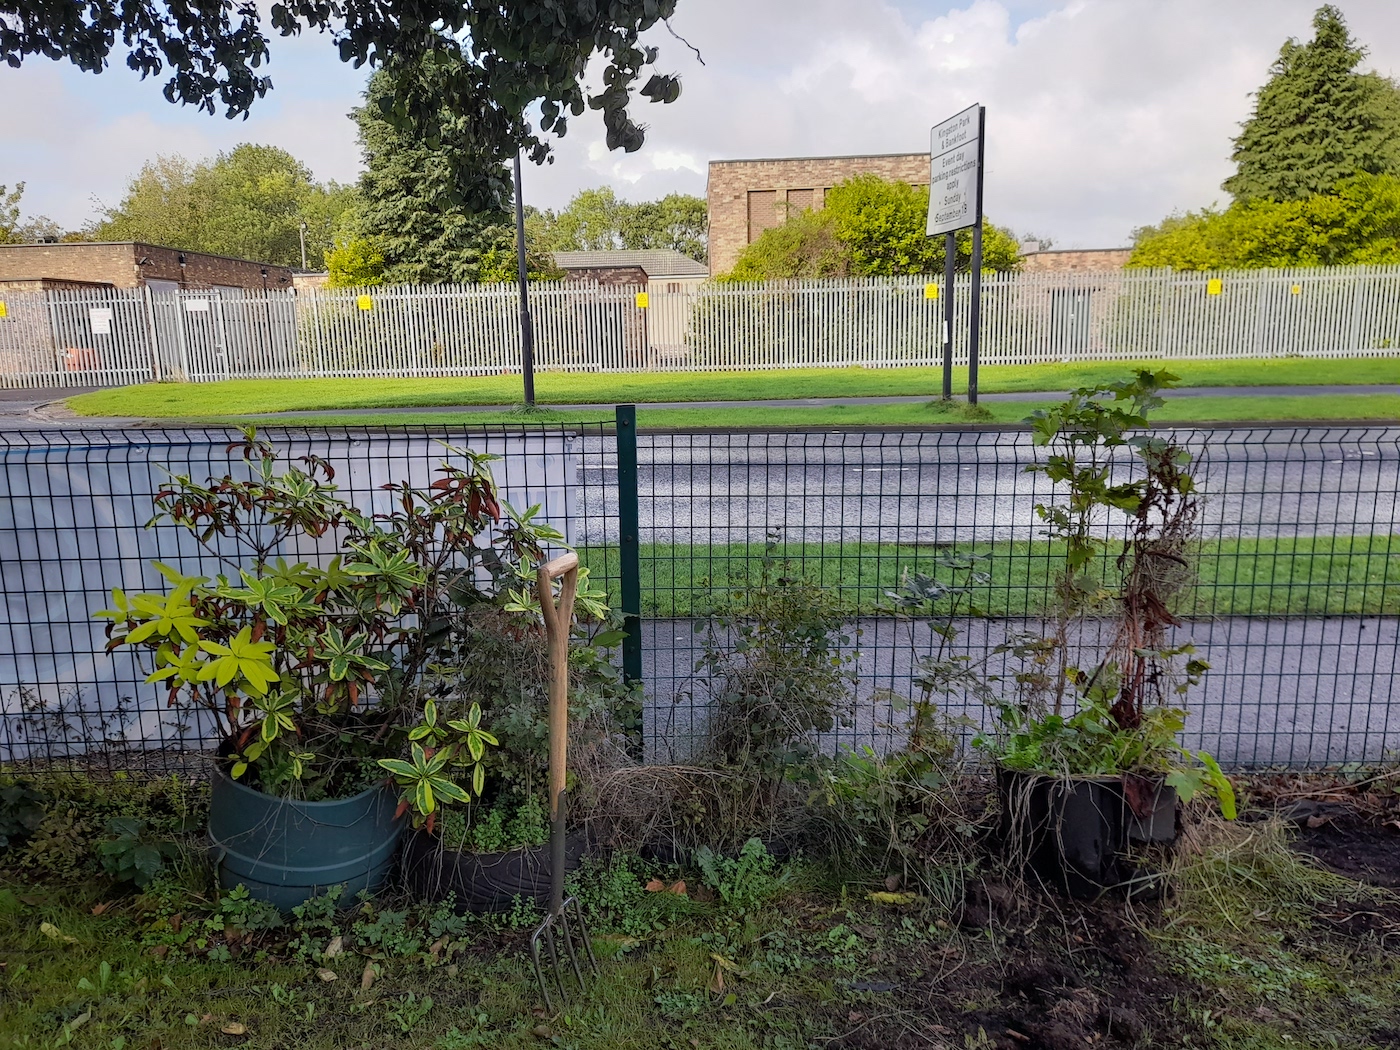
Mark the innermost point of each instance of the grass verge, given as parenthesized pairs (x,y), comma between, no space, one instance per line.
(258,396)
(1264,410)
(1319,576)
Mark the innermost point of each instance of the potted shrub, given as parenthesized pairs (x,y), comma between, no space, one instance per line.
(1087,748)
(481,838)
(310,671)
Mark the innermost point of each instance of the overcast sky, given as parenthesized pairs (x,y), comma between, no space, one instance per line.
(1102,115)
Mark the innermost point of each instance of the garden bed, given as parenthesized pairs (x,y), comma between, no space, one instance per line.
(1256,946)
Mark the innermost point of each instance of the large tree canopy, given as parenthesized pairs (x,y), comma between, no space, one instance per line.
(1317,121)
(249,203)
(1357,223)
(597,220)
(868,228)
(495,59)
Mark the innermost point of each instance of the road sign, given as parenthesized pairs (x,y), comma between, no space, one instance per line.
(955,173)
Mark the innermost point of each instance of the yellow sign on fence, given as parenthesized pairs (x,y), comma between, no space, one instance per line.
(930,291)
(1214,286)
(642,300)
(365,302)
(1297,289)
(4,310)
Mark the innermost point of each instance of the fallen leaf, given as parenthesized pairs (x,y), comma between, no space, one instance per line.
(367,978)
(452,970)
(678,888)
(435,949)
(855,1016)
(98,909)
(233,1028)
(542,1032)
(160,950)
(1318,820)
(176,921)
(717,981)
(655,886)
(326,975)
(206,1019)
(336,947)
(892,882)
(52,932)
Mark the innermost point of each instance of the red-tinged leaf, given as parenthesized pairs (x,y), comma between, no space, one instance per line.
(403,808)
(432,820)
(354,694)
(259,629)
(440,484)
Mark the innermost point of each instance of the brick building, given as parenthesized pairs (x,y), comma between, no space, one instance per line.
(747,197)
(673,269)
(1075,260)
(134,265)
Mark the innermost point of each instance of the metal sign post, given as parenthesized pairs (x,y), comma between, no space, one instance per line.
(527,334)
(955,203)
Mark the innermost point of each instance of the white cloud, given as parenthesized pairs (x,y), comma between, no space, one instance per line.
(1102,114)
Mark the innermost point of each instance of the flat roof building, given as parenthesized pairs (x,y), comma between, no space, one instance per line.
(131,264)
(746,197)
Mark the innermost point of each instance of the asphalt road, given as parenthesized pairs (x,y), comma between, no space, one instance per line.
(965,486)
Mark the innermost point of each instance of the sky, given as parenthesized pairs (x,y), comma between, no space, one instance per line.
(1102,115)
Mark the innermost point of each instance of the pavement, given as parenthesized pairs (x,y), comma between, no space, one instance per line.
(43,407)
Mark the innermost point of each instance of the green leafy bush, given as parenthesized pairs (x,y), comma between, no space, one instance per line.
(744,882)
(132,853)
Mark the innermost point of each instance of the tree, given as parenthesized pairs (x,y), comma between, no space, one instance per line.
(249,203)
(13,228)
(1357,223)
(355,262)
(436,212)
(868,227)
(597,220)
(1317,121)
(496,59)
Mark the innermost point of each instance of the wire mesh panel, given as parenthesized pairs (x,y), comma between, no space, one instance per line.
(73,525)
(1295,606)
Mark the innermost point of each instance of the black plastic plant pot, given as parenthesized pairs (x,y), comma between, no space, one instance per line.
(286,851)
(1071,832)
(483,882)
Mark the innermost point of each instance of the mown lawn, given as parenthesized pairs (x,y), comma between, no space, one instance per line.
(1318,576)
(259,396)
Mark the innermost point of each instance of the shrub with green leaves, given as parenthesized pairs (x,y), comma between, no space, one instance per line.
(744,882)
(314,671)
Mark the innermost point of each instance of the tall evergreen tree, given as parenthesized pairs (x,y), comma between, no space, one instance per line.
(436,208)
(1317,121)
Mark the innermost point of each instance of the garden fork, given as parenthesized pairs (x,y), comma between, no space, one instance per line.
(563,931)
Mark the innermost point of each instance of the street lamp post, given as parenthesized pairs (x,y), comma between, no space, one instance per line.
(302,231)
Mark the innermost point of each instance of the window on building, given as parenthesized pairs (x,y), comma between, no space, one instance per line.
(763,212)
(801,200)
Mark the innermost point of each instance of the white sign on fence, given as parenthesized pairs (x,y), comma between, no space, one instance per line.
(196,306)
(955,182)
(100,317)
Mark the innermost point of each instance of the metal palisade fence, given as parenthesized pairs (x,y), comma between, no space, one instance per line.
(82,338)
(1296,605)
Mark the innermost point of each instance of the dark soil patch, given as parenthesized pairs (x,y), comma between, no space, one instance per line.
(1061,975)
(1355,847)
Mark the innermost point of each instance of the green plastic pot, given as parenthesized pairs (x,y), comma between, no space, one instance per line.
(286,851)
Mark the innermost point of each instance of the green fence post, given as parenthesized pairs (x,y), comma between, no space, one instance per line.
(628,522)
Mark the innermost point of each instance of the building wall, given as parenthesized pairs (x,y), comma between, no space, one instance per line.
(747,197)
(1088,260)
(118,265)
